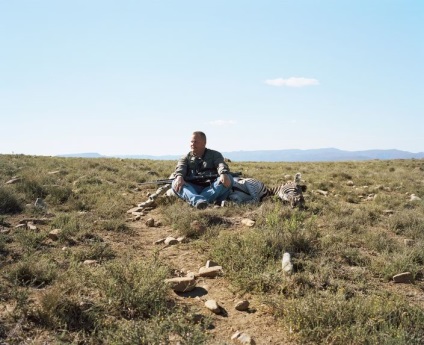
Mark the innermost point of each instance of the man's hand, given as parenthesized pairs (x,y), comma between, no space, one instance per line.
(179,183)
(225,180)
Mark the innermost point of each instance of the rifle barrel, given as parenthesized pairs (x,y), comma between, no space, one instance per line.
(194,178)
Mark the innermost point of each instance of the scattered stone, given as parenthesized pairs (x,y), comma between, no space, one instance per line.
(213,306)
(414,198)
(322,192)
(160,241)
(54,172)
(350,183)
(198,227)
(210,272)
(181,284)
(31,226)
(211,263)
(150,222)
(4,231)
(408,242)
(248,222)
(182,239)
(171,241)
(243,338)
(388,211)
(405,277)
(20,226)
(135,209)
(286,263)
(242,305)
(54,234)
(90,262)
(159,223)
(13,180)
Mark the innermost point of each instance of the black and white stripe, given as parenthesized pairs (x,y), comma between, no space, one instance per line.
(290,192)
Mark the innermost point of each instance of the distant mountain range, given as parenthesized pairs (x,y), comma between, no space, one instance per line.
(313,155)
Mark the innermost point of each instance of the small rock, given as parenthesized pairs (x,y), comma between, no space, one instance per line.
(150,222)
(181,284)
(322,192)
(182,239)
(13,180)
(54,172)
(160,241)
(90,262)
(405,277)
(248,222)
(54,234)
(388,211)
(286,263)
(20,226)
(171,241)
(211,263)
(350,183)
(242,305)
(135,209)
(414,198)
(213,306)
(31,226)
(159,223)
(5,231)
(210,272)
(243,338)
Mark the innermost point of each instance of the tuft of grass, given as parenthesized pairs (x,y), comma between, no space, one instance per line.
(136,289)
(361,320)
(9,202)
(32,271)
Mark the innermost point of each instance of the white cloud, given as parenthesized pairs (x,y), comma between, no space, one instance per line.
(222,122)
(292,82)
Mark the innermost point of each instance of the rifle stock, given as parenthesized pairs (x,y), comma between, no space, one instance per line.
(197,178)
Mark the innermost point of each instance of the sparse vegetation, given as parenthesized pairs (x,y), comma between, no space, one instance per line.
(360,229)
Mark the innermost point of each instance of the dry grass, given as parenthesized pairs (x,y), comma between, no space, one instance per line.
(346,247)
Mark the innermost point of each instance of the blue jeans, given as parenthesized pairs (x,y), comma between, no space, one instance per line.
(194,194)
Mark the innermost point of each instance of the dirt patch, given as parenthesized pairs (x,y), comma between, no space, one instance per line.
(184,257)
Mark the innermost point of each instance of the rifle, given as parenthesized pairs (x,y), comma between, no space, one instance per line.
(197,178)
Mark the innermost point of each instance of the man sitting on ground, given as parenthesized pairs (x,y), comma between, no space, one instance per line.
(202,161)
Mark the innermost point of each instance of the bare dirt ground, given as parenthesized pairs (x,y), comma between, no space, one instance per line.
(183,257)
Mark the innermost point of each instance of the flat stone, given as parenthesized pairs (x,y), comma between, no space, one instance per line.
(248,222)
(242,305)
(181,284)
(13,180)
(211,263)
(54,234)
(405,277)
(213,306)
(210,272)
(243,338)
(135,209)
(90,262)
(160,241)
(171,241)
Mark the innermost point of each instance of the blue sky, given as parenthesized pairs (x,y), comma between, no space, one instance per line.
(138,77)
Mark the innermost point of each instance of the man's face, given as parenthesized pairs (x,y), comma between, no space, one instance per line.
(197,145)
